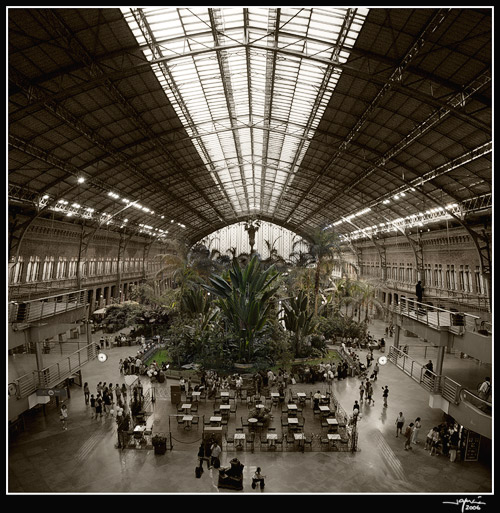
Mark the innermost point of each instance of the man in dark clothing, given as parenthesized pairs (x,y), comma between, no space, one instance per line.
(419,291)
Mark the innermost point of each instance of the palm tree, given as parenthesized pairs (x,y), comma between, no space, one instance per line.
(298,320)
(323,246)
(245,301)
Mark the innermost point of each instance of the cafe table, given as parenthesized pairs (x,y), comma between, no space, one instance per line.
(225,407)
(196,396)
(332,422)
(224,394)
(215,419)
(299,437)
(324,410)
(334,438)
(292,406)
(293,420)
(240,437)
(272,437)
(275,394)
(301,394)
(186,407)
(187,420)
(252,422)
(260,406)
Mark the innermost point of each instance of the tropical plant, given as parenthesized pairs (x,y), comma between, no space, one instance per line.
(298,320)
(245,301)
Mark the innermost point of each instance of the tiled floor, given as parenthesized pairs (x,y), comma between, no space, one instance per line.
(84,459)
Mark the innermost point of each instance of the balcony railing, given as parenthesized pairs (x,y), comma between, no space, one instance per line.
(51,376)
(26,312)
(434,316)
(436,384)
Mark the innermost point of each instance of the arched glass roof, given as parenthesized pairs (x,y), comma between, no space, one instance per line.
(249,111)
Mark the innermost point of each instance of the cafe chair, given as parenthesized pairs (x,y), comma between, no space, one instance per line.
(290,442)
(308,441)
(223,421)
(264,442)
(179,419)
(271,429)
(249,441)
(233,408)
(195,421)
(194,408)
(325,444)
(243,395)
(279,442)
(229,441)
(180,409)
(239,429)
(284,423)
(301,423)
(206,421)
(244,423)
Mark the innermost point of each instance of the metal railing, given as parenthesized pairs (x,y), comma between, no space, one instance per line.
(481,406)
(55,373)
(31,311)
(434,316)
(437,384)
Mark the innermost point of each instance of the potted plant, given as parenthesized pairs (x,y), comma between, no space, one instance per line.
(159,443)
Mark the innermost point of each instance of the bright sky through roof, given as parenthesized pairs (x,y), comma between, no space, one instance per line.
(252,106)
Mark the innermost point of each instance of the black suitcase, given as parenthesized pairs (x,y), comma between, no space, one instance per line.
(198,471)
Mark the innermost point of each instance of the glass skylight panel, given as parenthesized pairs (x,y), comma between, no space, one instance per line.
(223,97)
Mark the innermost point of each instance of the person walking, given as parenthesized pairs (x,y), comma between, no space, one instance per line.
(98,406)
(63,416)
(408,436)
(485,388)
(376,369)
(362,389)
(92,406)
(86,393)
(385,394)
(258,478)
(215,451)
(369,393)
(416,428)
(400,421)
(435,441)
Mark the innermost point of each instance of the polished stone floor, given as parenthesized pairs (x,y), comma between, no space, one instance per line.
(83,459)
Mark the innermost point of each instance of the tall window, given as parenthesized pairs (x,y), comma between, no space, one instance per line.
(61,268)
(467,279)
(16,271)
(33,269)
(479,281)
(453,281)
(48,268)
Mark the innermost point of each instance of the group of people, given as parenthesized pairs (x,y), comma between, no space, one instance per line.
(210,451)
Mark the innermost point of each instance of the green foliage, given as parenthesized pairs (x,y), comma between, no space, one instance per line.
(244,301)
(120,316)
(298,320)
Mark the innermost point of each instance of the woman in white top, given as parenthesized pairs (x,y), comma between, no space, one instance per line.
(63,415)
(416,428)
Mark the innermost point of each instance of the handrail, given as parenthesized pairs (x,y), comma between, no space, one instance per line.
(36,309)
(431,315)
(479,405)
(448,388)
(55,373)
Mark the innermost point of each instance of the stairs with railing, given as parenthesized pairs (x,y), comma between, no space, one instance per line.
(463,404)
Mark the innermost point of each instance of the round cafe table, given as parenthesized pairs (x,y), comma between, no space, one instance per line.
(253,421)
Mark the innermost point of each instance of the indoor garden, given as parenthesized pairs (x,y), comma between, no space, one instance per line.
(227,311)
